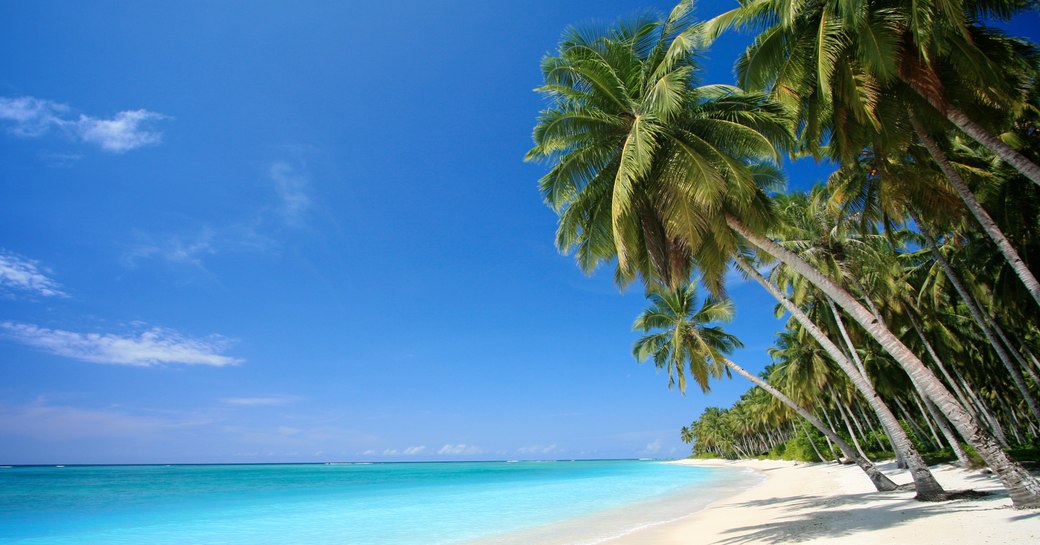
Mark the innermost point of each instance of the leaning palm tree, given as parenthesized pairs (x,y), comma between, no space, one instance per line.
(625,133)
(660,175)
(939,51)
(855,72)
(814,52)
(682,343)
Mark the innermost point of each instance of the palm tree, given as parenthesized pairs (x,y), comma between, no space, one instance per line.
(1023,488)
(812,51)
(625,133)
(839,65)
(634,175)
(684,344)
(850,50)
(928,489)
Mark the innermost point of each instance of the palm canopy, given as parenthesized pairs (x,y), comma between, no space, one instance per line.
(641,159)
(848,68)
(683,341)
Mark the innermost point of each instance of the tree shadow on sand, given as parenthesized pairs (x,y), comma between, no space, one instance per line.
(815,517)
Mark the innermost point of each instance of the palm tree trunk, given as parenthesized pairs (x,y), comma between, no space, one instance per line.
(1009,154)
(1023,488)
(813,444)
(852,433)
(938,362)
(984,324)
(988,225)
(1014,351)
(983,409)
(881,482)
(927,418)
(855,421)
(928,489)
(845,337)
(977,133)
(949,434)
(909,418)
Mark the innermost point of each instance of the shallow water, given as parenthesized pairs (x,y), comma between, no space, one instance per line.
(369,504)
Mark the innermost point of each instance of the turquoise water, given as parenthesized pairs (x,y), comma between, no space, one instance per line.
(362,504)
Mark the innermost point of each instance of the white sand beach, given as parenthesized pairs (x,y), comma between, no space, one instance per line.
(836,505)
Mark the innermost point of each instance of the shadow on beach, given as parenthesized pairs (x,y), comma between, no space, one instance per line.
(813,517)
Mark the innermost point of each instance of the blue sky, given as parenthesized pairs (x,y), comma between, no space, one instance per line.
(258,232)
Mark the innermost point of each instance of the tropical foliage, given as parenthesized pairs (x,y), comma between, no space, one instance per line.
(907,281)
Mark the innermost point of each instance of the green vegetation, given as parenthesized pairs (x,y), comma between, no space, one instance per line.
(908,280)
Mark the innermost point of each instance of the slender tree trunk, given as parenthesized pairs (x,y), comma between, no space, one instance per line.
(852,433)
(881,482)
(949,434)
(979,134)
(1009,154)
(928,489)
(927,418)
(855,421)
(812,444)
(956,390)
(1022,363)
(1023,488)
(909,418)
(988,225)
(845,336)
(984,324)
(983,409)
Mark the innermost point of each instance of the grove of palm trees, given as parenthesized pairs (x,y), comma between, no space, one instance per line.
(907,283)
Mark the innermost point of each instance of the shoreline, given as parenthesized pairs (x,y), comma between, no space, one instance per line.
(632,519)
(837,505)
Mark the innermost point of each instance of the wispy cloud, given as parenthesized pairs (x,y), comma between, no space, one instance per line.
(31,117)
(653,447)
(126,131)
(410,451)
(291,184)
(155,346)
(454,450)
(42,419)
(270,401)
(261,233)
(187,249)
(539,449)
(26,276)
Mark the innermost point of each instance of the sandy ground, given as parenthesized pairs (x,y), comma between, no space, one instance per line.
(837,505)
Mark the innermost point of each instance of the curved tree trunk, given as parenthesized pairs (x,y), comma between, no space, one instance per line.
(949,434)
(928,489)
(813,444)
(977,133)
(988,225)
(881,482)
(1023,488)
(984,324)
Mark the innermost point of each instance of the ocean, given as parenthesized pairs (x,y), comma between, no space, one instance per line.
(472,503)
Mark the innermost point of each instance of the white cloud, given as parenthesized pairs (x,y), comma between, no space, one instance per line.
(654,447)
(539,449)
(410,451)
(181,249)
(43,420)
(291,186)
(272,401)
(453,450)
(30,117)
(24,275)
(155,346)
(126,131)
